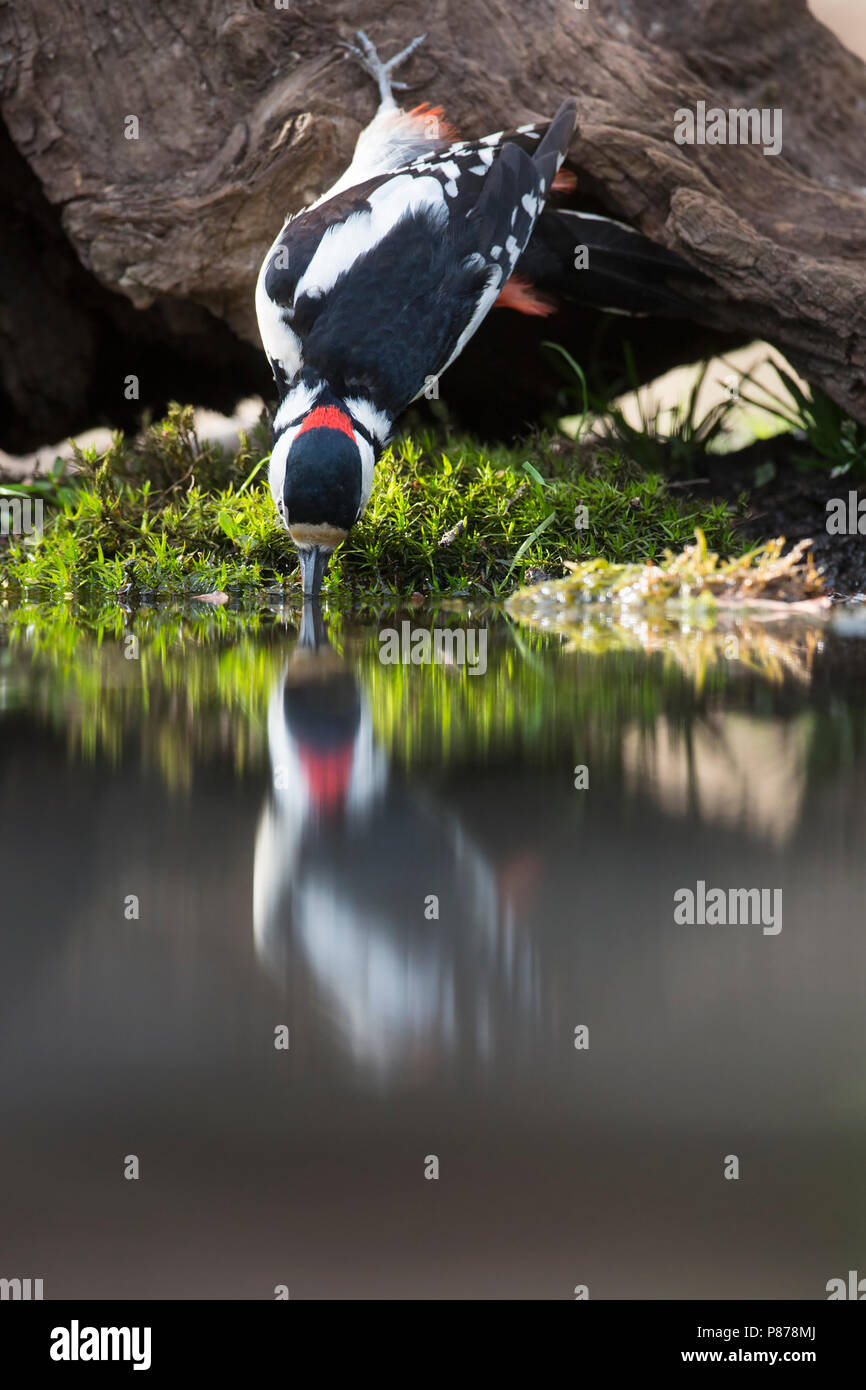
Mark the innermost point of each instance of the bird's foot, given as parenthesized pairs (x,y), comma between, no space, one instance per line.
(380,71)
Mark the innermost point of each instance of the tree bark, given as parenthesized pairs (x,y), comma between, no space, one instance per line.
(139,255)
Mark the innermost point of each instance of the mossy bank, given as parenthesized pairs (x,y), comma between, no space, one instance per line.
(460,519)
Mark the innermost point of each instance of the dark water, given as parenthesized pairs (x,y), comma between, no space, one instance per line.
(284,818)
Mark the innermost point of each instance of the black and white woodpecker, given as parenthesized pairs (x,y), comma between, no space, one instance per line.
(373,291)
(369,294)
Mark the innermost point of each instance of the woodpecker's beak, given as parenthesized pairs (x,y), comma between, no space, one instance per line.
(314,561)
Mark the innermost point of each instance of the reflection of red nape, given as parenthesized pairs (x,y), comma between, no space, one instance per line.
(328,417)
(328,776)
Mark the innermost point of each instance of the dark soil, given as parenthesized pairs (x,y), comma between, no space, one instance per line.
(792,504)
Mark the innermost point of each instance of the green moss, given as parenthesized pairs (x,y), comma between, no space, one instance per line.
(469,519)
(765,574)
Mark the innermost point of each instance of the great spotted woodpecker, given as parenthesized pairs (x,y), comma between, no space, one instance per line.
(373,291)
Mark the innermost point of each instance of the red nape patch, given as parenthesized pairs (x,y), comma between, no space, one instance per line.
(520,294)
(328,417)
(564,182)
(439,128)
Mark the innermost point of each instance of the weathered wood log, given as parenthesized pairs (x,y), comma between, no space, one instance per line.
(166,143)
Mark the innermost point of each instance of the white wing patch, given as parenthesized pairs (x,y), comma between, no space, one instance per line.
(345,242)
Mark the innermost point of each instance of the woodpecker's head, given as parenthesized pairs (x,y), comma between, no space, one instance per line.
(320,479)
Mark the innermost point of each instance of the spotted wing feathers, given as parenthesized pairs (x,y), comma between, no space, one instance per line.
(379,287)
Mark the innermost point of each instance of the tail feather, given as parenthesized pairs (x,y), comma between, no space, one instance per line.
(554,146)
(596,260)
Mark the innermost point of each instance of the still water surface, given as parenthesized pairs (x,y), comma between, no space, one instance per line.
(290,821)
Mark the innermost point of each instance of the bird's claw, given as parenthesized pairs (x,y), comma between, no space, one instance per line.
(380,70)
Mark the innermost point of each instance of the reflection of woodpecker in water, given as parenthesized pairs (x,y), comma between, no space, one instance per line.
(351,864)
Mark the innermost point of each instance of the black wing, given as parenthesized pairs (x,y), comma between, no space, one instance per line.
(380,315)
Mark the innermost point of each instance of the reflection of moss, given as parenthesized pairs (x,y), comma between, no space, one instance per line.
(201,682)
(698,645)
(192,684)
(199,686)
(196,519)
(698,611)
